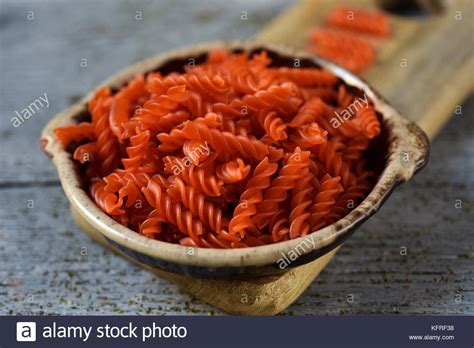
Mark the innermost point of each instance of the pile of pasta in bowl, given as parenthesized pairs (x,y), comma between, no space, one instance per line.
(233,152)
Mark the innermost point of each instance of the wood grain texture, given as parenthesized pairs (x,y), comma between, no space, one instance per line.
(43,268)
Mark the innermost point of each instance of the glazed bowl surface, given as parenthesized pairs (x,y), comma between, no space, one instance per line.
(396,155)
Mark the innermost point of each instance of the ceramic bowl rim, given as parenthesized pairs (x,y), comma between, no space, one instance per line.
(405,137)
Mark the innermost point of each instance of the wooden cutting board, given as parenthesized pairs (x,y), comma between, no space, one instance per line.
(424,69)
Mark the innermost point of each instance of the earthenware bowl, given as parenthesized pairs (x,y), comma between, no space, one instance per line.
(399,152)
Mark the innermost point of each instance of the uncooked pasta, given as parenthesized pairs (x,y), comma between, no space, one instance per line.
(346,40)
(234,152)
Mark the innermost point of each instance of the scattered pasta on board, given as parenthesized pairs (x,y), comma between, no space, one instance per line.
(346,39)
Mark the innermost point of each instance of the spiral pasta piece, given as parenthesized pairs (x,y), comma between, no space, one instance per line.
(196,151)
(172,211)
(163,123)
(311,111)
(201,83)
(197,178)
(273,125)
(136,151)
(278,226)
(299,226)
(153,225)
(224,143)
(197,205)
(77,133)
(233,171)
(107,201)
(122,103)
(324,200)
(370,123)
(107,144)
(334,164)
(165,103)
(309,136)
(279,187)
(280,98)
(350,198)
(174,140)
(85,153)
(250,197)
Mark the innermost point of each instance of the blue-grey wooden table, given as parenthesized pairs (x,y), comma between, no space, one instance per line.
(414,257)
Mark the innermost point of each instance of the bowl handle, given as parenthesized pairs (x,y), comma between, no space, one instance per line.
(413,150)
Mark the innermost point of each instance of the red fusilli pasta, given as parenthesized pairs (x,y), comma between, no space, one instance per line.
(231,153)
(345,42)
(358,19)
